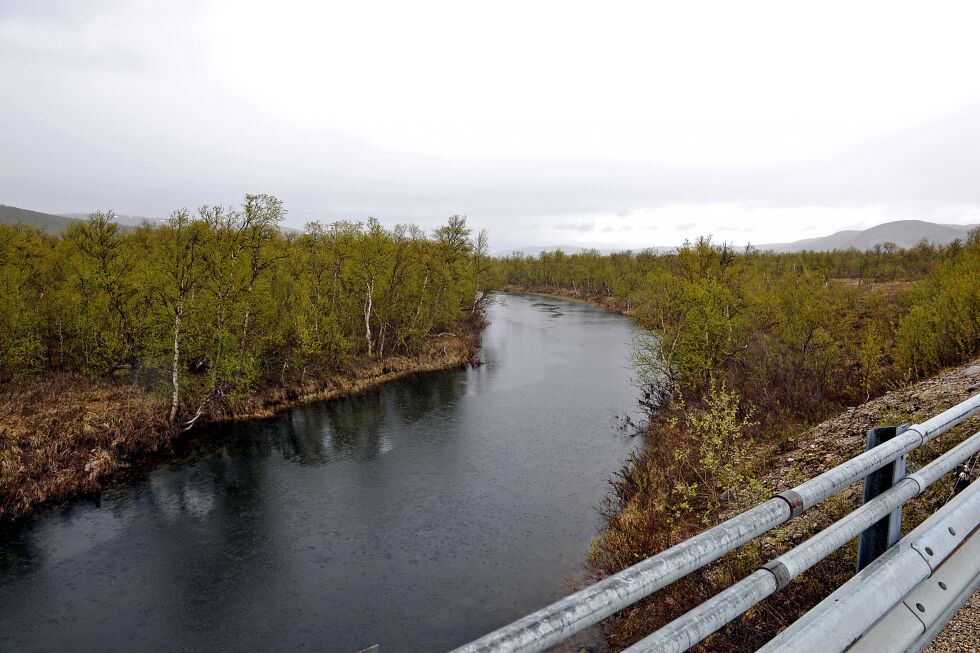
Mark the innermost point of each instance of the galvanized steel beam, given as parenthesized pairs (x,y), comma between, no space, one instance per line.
(915,621)
(843,617)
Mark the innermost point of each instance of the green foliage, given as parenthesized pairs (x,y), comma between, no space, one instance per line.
(211,306)
(943,326)
(717,461)
(698,311)
(620,275)
(22,283)
(796,335)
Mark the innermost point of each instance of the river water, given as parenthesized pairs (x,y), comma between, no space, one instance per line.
(417,517)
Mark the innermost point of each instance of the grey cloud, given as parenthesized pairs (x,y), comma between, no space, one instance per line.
(581,227)
(108,57)
(84,36)
(162,140)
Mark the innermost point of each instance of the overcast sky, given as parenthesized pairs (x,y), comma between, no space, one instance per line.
(603,123)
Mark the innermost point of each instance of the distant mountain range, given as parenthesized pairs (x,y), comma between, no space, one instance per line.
(51,223)
(904,233)
(54,224)
(57,223)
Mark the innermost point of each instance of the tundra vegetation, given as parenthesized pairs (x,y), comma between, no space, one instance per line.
(744,350)
(112,340)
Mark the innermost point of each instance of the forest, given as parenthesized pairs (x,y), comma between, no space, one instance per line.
(204,317)
(815,329)
(214,304)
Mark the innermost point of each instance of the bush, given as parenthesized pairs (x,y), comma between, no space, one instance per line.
(943,327)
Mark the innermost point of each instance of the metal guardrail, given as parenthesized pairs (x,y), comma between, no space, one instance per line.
(876,540)
(558,621)
(867,611)
(691,628)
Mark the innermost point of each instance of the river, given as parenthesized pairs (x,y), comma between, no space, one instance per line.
(416,517)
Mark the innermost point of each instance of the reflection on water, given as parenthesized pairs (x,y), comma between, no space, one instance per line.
(416,517)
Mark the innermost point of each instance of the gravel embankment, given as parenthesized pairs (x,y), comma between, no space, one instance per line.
(962,633)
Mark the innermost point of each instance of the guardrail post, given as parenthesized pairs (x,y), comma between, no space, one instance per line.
(888,530)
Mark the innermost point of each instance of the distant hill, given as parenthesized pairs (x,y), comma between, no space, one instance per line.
(47,221)
(57,223)
(127,221)
(120,218)
(904,233)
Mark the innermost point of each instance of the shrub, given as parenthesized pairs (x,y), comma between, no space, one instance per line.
(943,327)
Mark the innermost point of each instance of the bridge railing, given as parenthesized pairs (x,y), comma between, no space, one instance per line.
(558,621)
(904,598)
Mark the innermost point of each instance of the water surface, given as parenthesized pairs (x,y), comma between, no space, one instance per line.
(417,517)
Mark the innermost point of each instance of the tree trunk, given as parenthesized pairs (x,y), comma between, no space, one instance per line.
(175,401)
(418,311)
(368,303)
(248,312)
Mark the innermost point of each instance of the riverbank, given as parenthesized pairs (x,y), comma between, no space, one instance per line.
(63,435)
(618,305)
(641,520)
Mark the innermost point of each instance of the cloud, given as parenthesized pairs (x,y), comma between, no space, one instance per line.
(147,107)
(581,227)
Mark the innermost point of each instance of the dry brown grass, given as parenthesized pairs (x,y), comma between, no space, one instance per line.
(61,434)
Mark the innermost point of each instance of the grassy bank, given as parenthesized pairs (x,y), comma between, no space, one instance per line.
(64,434)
